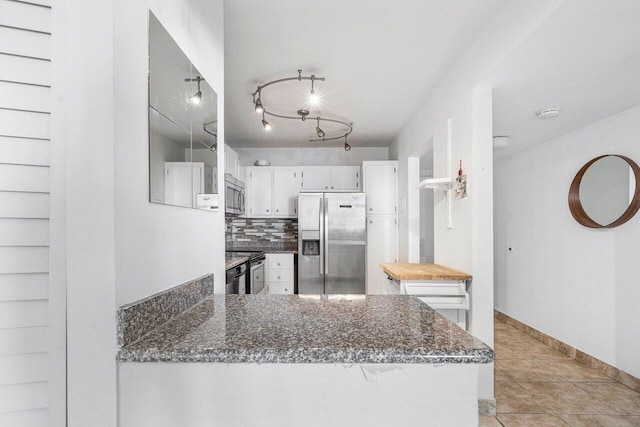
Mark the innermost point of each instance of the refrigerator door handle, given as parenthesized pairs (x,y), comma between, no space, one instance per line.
(326,237)
(321,242)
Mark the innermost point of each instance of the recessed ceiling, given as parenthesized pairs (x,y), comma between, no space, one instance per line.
(583,59)
(380,59)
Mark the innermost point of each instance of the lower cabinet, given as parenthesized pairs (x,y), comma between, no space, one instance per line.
(279,274)
(381,247)
(447,297)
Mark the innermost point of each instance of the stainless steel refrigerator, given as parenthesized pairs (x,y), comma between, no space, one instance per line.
(331,243)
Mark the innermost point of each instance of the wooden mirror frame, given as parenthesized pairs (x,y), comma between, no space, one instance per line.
(578,211)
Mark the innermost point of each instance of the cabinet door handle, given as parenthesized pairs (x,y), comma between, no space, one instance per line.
(267,210)
(370,209)
(277,210)
(326,187)
(278,277)
(332,187)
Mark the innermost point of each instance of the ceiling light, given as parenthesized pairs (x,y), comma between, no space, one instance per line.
(548,113)
(301,114)
(265,124)
(259,107)
(500,142)
(347,147)
(319,131)
(314,99)
(196,97)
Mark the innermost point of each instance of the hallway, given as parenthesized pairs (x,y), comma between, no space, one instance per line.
(539,386)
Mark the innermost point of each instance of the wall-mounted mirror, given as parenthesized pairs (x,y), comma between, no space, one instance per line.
(183,127)
(605,192)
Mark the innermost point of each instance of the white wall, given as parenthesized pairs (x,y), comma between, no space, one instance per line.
(468,246)
(576,284)
(161,246)
(120,247)
(334,156)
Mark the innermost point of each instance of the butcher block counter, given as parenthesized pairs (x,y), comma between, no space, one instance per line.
(442,288)
(414,271)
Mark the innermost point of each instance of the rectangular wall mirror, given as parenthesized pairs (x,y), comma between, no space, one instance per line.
(183,127)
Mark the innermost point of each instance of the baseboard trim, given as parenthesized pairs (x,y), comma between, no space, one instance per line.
(580,356)
(487,407)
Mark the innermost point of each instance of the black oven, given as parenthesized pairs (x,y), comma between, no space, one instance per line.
(255,278)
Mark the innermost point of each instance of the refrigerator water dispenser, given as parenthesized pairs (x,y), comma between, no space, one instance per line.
(311,247)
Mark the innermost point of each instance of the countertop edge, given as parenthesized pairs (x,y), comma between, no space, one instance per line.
(455,276)
(299,356)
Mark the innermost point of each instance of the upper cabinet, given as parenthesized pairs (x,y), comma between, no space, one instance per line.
(380,185)
(272,192)
(331,178)
(231,163)
(286,185)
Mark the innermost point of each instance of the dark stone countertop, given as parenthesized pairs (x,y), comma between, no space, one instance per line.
(233,261)
(308,329)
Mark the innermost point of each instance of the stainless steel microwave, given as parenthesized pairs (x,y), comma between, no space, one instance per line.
(234,195)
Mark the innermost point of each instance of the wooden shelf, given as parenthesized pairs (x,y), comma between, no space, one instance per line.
(444,184)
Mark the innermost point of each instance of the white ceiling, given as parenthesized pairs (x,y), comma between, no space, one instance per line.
(380,60)
(584,59)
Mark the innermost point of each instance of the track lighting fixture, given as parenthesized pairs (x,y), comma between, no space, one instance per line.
(196,97)
(302,114)
(319,131)
(265,124)
(259,108)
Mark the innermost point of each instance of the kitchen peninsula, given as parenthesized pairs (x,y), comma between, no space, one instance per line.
(291,360)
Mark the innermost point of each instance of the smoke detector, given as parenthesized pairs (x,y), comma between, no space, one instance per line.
(548,113)
(500,142)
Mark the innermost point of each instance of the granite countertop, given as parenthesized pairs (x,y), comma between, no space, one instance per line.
(308,329)
(233,261)
(423,271)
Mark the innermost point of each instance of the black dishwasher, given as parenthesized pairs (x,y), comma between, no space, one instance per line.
(236,279)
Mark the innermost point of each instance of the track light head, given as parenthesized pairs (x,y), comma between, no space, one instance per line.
(347,147)
(259,107)
(319,131)
(196,98)
(265,124)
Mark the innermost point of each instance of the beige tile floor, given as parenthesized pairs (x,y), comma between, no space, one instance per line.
(539,386)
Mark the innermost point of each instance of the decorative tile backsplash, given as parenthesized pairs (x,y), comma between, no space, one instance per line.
(241,231)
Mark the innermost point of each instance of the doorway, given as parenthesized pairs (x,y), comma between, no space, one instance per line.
(420,206)
(426,210)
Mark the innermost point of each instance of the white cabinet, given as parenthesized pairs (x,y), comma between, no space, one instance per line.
(447,297)
(380,183)
(382,238)
(260,194)
(272,192)
(231,163)
(331,178)
(279,271)
(314,178)
(183,181)
(286,185)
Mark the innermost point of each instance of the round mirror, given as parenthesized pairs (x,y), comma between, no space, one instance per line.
(604,193)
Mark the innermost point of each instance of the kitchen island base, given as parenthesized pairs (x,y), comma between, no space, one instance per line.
(309,395)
